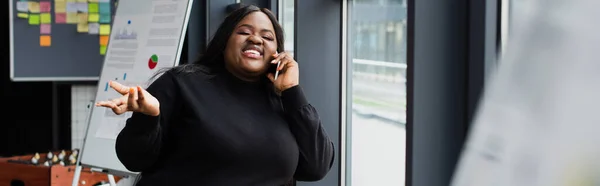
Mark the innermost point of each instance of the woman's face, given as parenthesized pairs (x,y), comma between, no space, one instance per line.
(251,46)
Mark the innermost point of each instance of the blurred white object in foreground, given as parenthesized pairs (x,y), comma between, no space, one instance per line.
(538,123)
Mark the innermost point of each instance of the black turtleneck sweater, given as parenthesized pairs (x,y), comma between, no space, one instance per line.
(214,129)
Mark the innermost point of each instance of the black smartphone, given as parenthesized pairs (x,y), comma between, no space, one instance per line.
(273,67)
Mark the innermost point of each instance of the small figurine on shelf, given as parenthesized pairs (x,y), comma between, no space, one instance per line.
(75,152)
(62,155)
(61,163)
(71,157)
(49,155)
(54,160)
(47,163)
(35,159)
(72,161)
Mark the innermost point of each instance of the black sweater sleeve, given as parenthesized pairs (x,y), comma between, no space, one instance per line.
(139,144)
(315,147)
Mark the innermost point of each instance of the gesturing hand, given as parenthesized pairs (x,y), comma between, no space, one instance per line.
(288,72)
(134,99)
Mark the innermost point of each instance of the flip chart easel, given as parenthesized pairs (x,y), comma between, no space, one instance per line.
(145,37)
(79,167)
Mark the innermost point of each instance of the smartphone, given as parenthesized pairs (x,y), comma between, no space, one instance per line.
(273,67)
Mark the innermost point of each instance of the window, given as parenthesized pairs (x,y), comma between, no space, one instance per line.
(376,135)
(286,17)
(504,23)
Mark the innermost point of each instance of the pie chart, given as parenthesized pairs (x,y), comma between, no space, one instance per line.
(152,61)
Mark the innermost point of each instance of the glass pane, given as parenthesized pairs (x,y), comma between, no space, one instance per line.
(377,89)
(504,24)
(287,22)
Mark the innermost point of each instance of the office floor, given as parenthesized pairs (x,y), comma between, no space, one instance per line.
(378,152)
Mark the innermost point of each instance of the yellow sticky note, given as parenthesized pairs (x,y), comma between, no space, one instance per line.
(82,27)
(34,19)
(93,17)
(59,1)
(81,1)
(45,40)
(34,7)
(104,29)
(46,18)
(60,7)
(102,49)
(72,18)
(82,18)
(22,15)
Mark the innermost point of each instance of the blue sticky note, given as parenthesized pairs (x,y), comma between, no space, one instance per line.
(104,18)
(104,8)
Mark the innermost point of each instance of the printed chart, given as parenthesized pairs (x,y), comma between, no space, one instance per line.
(153,61)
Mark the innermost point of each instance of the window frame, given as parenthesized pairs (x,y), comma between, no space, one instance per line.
(445,75)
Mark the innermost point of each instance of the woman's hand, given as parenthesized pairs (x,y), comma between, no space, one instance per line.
(134,99)
(288,76)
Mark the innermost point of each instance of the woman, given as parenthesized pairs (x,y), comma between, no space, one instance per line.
(225,120)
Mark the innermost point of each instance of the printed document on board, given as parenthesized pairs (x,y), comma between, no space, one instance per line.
(145,37)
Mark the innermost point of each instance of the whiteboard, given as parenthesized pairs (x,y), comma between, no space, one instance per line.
(146,35)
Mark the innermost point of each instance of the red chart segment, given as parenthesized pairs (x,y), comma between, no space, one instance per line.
(153,61)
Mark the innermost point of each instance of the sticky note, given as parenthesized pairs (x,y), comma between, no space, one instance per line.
(82,7)
(93,1)
(104,29)
(45,40)
(23,15)
(45,6)
(82,18)
(45,28)
(93,7)
(104,18)
(55,1)
(93,17)
(60,18)
(34,19)
(72,7)
(82,27)
(104,1)
(72,18)
(46,18)
(102,50)
(104,40)
(34,7)
(93,28)
(60,7)
(22,6)
(81,1)
(104,8)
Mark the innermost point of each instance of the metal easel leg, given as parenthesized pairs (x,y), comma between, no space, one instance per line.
(111,180)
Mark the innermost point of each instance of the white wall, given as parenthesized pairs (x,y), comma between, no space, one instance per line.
(81,97)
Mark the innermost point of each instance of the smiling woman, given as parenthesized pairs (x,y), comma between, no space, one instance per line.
(225,119)
(251,45)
